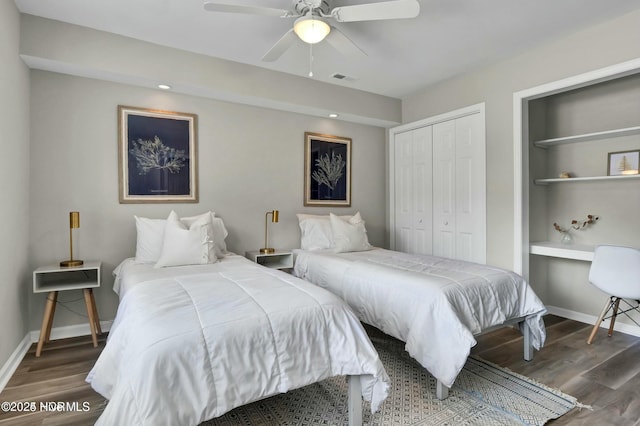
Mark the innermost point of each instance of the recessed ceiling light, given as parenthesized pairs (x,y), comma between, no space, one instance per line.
(164,86)
(333,115)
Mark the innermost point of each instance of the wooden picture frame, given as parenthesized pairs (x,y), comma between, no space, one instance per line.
(623,163)
(157,156)
(327,170)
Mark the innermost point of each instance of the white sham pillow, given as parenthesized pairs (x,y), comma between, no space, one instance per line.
(185,245)
(349,235)
(149,236)
(207,218)
(219,235)
(315,231)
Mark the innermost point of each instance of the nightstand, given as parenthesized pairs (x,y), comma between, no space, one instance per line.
(54,278)
(276,260)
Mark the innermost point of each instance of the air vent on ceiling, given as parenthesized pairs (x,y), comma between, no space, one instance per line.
(343,77)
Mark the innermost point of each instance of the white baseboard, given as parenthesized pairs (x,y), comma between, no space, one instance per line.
(70,331)
(31,337)
(591,319)
(14,360)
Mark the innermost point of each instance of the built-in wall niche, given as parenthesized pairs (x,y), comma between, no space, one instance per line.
(573,132)
(571,126)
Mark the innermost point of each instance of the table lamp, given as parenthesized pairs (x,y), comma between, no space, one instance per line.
(274,218)
(74,223)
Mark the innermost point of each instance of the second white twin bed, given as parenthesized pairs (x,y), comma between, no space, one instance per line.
(435,305)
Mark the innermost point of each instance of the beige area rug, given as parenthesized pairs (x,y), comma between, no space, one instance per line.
(483,394)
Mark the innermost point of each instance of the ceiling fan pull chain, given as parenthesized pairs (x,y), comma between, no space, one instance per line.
(311,60)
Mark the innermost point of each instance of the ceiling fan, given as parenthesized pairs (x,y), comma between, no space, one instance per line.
(311,24)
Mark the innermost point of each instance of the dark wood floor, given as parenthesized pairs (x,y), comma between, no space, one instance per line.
(605,375)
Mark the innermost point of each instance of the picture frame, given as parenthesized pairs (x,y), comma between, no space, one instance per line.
(327,170)
(623,163)
(157,156)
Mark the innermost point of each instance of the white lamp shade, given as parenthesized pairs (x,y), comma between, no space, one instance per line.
(311,29)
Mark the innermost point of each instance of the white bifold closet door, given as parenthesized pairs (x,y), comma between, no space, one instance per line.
(459,190)
(440,189)
(413,158)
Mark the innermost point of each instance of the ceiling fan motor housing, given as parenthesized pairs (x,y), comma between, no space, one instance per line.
(302,7)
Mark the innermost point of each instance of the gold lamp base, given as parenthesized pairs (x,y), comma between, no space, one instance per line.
(267,250)
(69,263)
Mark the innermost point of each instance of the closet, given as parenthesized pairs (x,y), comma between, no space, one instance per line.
(438,186)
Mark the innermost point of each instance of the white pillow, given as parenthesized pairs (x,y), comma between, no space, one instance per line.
(219,235)
(183,244)
(349,235)
(206,219)
(315,231)
(150,233)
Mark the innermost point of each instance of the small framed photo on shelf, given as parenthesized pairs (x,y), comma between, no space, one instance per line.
(623,163)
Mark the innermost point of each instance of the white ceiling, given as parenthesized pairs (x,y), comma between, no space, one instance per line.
(449,37)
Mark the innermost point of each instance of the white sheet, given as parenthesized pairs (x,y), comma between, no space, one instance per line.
(433,304)
(190,343)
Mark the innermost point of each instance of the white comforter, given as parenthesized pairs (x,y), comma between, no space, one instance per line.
(433,304)
(191,343)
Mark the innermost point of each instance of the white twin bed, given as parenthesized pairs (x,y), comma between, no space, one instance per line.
(192,342)
(435,305)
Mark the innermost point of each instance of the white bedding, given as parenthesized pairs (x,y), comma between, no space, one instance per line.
(433,304)
(190,343)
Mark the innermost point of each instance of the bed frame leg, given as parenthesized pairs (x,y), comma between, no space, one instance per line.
(528,347)
(442,392)
(355,401)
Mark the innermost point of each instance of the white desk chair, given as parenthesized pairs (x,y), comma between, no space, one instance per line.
(616,271)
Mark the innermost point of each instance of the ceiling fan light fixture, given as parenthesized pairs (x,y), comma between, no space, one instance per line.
(311,29)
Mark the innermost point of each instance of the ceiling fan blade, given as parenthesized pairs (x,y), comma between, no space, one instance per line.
(343,44)
(281,46)
(213,6)
(398,9)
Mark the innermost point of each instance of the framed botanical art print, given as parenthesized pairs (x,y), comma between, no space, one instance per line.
(157,158)
(327,170)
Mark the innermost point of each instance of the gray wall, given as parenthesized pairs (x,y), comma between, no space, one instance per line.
(14,183)
(560,283)
(250,161)
(596,47)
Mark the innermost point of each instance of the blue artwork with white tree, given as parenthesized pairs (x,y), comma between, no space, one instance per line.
(328,171)
(158,156)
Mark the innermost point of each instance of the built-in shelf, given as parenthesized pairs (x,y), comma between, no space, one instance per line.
(583,179)
(588,137)
(564,251)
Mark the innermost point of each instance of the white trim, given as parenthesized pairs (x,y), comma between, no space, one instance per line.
(520,139)
(392,132)
(68,331)
(14,360)
(31,337)
(591,319)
